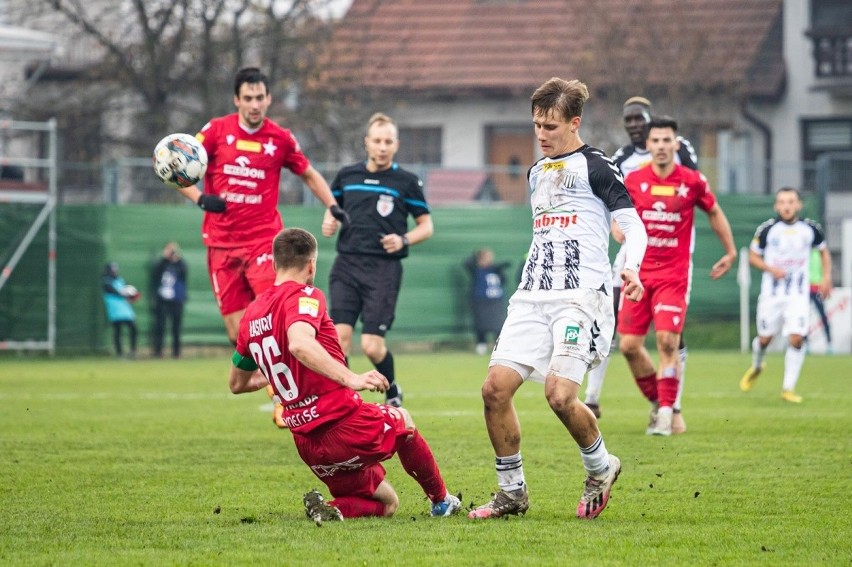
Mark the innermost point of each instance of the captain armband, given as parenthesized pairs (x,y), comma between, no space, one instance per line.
(246,363)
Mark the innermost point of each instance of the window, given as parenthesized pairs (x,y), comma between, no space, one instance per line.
(420,146)
(820,137)
(831,13)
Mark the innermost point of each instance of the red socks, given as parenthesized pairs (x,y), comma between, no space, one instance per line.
(648,386)
(417,460)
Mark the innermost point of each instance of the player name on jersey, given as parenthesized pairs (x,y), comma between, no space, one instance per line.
(259,326)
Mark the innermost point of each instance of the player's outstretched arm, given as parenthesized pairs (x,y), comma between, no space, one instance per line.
(243,381)
(209,203)
(303,344)
(720,225)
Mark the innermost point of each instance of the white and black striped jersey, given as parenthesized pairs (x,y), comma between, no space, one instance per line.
(787,246)
(629,158)
(571,198)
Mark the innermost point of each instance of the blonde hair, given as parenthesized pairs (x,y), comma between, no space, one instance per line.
(640,100)
(379,118)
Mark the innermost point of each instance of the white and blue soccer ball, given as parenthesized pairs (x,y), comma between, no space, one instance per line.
(180,160)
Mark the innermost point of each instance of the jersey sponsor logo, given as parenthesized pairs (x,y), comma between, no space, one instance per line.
(572,335)
(248,146)
(662,242)
(242,197)
(668,308)
(554,166)
(660,214)
(384,205)
(329,470)
(258,326)
(298,419)
(265,257)
(663,190)
(371,181)
(308,306)
(661,227)
(561,221)
(303,403)
(242,169)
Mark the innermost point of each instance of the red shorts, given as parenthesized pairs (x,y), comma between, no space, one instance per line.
(347,455)
(665,301)
(238,275)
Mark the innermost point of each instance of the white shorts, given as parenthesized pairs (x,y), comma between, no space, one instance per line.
(788,315)
(564,333)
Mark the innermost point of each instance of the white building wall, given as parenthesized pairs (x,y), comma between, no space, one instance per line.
(801,100)
(464,125)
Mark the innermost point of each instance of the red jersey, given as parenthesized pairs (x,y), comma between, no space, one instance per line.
(310,399)
(244,169)
(667,208)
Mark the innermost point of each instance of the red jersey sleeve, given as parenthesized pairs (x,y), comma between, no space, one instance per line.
(242,338)
(207,137)
(295,160)
(308,306)
(706,199)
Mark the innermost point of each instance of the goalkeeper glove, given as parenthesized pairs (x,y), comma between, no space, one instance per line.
(339,214)
(211,203)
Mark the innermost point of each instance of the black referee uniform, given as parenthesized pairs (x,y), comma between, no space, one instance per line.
(365,280)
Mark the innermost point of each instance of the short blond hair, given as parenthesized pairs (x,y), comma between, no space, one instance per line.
(380,118)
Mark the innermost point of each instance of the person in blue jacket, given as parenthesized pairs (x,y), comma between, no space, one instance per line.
(117,297)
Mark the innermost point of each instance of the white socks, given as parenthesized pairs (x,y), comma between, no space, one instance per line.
(595,457)
(510,472)
(793,360)
(757,353)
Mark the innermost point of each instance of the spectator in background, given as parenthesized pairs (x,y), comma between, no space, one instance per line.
(168,280)
(817,278)
(486,295)
(118,295)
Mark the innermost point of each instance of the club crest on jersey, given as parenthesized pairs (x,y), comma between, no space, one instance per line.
(384,205)
(308,306)
(569,178)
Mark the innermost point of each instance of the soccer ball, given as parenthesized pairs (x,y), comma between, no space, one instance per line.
(180,160)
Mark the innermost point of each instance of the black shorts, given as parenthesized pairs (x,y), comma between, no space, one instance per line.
(367,286)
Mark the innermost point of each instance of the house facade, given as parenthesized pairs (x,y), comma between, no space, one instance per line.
(762,88)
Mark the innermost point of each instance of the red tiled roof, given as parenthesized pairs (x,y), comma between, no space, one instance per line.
(441,46)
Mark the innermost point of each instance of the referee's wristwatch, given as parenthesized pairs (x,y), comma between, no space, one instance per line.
(404,240)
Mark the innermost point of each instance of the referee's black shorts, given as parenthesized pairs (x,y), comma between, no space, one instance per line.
(365,285)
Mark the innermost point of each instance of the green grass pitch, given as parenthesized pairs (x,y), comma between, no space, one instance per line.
(108,462)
